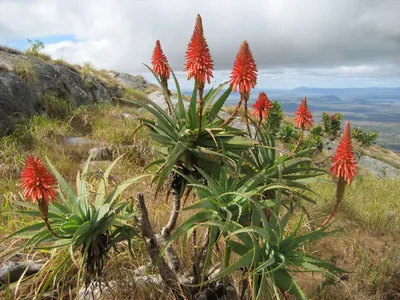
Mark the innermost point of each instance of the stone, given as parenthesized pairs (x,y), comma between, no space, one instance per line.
(101,153)
(13,270)
(379,168)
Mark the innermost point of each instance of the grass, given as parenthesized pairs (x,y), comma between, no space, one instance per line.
(367,246)
(10,50)
(56,107)
(25,69)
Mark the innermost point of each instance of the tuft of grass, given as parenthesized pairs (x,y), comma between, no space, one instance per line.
(34,50)
(25,69)
(56,107)
(87,74)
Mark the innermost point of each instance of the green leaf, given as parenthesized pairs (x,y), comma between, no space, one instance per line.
(83,230)
(31,228)
(72,198)
(193,121)
(120,188)
(245,261)
(171,161)
(181,112)
(216,108)
(286,282)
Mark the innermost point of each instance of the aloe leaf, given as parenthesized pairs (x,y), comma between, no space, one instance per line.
(181,106)
(165,92)
(169,164)
(63,184)
(245,261)
(286,282)
(192,116)
(216,108)
(33,227)
(121,187)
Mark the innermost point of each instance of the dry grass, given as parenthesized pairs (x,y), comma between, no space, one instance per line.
(25,69)
(10,50)
(368,246)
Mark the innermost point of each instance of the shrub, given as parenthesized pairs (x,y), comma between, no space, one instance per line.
(332,124)
(364,139)
(34,50)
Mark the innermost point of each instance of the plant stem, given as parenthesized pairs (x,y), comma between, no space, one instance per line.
(246,117)
(298,142)
(153,250)
(176,205)
(340,188)
(201,90)
(43,207)
(165,86)
(227,121)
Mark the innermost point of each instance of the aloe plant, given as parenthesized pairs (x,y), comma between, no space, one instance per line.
(91,222)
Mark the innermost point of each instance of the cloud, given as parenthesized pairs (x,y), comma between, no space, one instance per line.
(288,38)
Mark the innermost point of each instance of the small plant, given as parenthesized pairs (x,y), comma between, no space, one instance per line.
(25,69)
(289,134)
(35,49)
(88,221)
(365,140)
(87,74)
(274,119)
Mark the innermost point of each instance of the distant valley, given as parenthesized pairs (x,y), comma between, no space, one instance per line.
(370,108)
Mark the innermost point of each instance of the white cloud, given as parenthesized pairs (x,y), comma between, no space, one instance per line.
(304,39)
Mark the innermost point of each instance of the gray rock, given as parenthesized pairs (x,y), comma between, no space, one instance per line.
(378,168)
(19,98)
(101,153)
(76,141)
(131,81)
(13,270)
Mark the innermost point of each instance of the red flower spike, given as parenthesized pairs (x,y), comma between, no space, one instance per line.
(344,162)
(38,181)
(198,58)
(159,62)
(304,117)
(244,72)
(262,107)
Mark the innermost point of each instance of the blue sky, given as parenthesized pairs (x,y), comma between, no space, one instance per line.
(22,44)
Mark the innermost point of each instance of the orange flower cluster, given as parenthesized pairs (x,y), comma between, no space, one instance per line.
(160,63)
(198,58)
(37,181)
(304,117)
(262,107)
(344,162)
(244,72)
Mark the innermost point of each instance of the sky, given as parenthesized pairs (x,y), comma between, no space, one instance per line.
(314,43)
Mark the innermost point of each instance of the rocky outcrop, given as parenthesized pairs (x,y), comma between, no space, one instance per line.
(24,81)
(130,81)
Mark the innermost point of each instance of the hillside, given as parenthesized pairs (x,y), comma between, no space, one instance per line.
(32,84)
(83,119)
